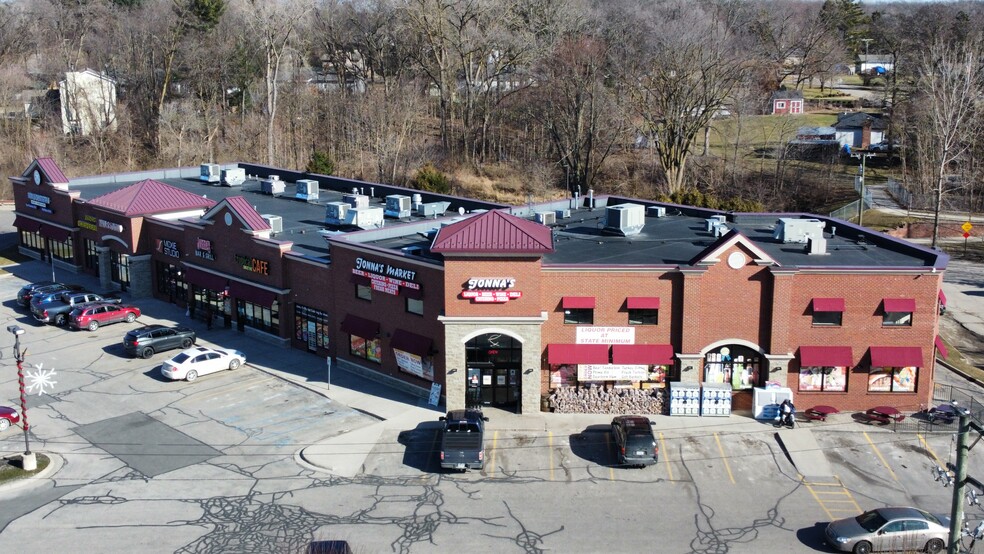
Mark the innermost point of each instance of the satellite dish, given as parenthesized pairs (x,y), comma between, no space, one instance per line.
(461,210)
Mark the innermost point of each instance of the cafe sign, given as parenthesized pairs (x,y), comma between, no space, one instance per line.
(203,249)
(88,222)
(168,248)
(491,290)
(253,265)
(612,372)
(605,335)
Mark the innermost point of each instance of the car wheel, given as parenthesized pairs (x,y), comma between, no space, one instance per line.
(234,364)
(934,546)
(863,547)
(4,424)
(61,320)
(186,343)
(147,353)
(191,376)
(93,325)
(131,317)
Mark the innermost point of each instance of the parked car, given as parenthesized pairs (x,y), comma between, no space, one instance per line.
(147,341)
(55,307)
(889,529)
(462,440)
(93,316)
(192,363)
(8,417)
(634,440)
(27,292)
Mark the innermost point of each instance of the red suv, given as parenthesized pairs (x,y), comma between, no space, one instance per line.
(92,316)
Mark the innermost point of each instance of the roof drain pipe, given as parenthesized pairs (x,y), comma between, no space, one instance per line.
(591,199)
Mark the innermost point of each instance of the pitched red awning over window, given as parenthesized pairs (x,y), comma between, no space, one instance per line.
(254,295)
(56,234)
(642,302)
(642,354)
(896,356)
(412,343)
(25,224)
(942,298)
(828,304)
(408,292)
(206,280)
(941,347)
(579,302)
(577,354)
(826,356)
(904,305)
(355,325)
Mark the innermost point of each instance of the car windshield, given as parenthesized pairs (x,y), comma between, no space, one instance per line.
(930,517)
(871,521)
(180,358)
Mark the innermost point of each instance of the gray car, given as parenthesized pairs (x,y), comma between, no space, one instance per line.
(890,530)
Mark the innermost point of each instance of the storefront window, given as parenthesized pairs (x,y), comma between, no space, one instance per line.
(736,365)
(829,379)
(171,283)
(311,327)
(643,317)
(415,306)
(62,250)
(91,258)
(364,292)
(892,379)
(259,317)
(368,349)
(207,301)
(897,319)
(120,268)
(579,316)
(32,241)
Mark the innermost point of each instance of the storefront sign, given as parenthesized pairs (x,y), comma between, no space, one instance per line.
(168,248)
(379,268)
(253,265)
(491,289)
(612,372)
(203,249)
(88,222)
(110,225)
(414,364)
(605,335)
(39,202)
(388,285)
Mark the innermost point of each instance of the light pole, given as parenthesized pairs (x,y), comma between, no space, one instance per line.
(29,461)
(864,156)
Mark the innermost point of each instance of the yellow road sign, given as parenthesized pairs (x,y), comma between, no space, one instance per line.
(966,227)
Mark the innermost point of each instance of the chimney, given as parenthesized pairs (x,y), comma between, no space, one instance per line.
(866,133)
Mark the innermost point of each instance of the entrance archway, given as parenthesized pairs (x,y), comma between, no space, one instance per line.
(493,375)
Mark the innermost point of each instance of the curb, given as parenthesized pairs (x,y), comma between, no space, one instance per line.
(54,465)
(959,372)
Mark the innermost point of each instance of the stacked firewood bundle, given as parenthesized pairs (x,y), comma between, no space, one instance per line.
(599,401)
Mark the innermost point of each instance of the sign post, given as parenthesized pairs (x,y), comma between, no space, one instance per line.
(966,234)
(328,361)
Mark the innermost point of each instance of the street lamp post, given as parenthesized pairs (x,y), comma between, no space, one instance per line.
(29,461)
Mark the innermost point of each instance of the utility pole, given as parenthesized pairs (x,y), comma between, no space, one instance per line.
(864,158)
(960,478)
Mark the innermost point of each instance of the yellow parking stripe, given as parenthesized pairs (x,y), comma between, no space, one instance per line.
(833,497)
(724,458)
(880,457)
(550,447)
(495,440)
(663,453)
(930,450)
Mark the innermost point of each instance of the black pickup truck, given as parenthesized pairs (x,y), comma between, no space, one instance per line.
(462,440)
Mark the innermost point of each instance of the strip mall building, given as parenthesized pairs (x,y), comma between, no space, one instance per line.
(502,304)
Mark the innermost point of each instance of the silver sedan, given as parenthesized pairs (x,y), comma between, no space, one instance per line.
(890,530)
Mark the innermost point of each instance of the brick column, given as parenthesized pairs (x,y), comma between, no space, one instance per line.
(141,285)
(691,341)
(105,268)
(782,290)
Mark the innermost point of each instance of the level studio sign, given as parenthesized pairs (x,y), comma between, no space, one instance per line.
(491,289)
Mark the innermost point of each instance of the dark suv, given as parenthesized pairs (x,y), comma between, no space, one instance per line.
(27,292)
(147,341)
(54,308)
(634,441)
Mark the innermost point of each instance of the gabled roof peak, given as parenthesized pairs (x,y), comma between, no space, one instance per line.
(494,232)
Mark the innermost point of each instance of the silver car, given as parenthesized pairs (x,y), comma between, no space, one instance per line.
(890,530)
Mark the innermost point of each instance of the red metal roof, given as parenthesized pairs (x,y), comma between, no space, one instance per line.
(494,231)
(247,213)
(150,197)
(51,170)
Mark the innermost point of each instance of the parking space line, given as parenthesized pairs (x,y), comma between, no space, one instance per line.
(495,439)
(664,451)
(550,446)
(929,449)
(832,497)
(880,457)
(724,458)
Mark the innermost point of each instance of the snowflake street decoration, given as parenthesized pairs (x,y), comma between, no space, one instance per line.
(40,379)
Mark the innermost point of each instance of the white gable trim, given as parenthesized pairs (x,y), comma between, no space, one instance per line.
(759,256)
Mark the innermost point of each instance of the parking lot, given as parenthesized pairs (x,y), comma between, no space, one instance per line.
(212,465)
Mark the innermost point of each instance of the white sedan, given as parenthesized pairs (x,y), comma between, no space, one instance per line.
(191,363)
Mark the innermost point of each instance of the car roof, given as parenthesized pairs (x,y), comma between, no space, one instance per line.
(900,512)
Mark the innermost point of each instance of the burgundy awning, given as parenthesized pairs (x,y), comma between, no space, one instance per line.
(254,295)
(579,302)
(896,356)
(577,354)
(828,304)
(642,354)
(904,305)
(941,347)
(360,280)
(642,303)
(206,280)
(416,294)
(412,343)
(56,234)
(826,356)
(25,224)
(942,298)
(355,325)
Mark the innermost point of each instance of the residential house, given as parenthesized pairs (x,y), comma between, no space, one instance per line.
(88,102)
(874,63)
(860,130)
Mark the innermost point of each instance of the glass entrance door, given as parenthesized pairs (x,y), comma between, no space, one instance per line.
(493,376)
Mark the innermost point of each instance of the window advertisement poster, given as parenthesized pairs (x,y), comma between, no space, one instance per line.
(374,350)
(612,372)
(358,346)
(880,379)
(605,335)
(414,364)
(563,376)
(832,379)
(904,379)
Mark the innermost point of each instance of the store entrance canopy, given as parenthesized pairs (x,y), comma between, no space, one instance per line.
(577,354)
(896,356)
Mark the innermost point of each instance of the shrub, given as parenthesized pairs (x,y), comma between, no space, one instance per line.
(320,163)
(431,179)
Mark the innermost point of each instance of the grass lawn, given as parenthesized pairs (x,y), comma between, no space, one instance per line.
(10,467)
(12,256)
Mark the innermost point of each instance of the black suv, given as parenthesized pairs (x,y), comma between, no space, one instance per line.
(146,341)
(635,441)
(26,292)
(54,308)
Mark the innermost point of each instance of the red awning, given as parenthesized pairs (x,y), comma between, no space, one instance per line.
(642,354)
(942,298)
(412,343)
(25,224)
(56,234)
(355,325)
(826,356)
(206,280)
(416,294)
(577,354)
(828,304)
(941,347)
(904,305)
(896,356)
(578,302)
(642,303)
(254,295)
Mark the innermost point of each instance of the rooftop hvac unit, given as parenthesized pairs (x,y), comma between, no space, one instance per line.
(272,185)
(356,200)
(720,217)
(720,229)
(366,218)
(432,209)
(234,177)
(336,213)
(790,229)
(625,219)
(275,221)
(816,246)
(413,250)
(546,218)
(562,214)
(209,173)
(307,189)
(398,206)
(656,211)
